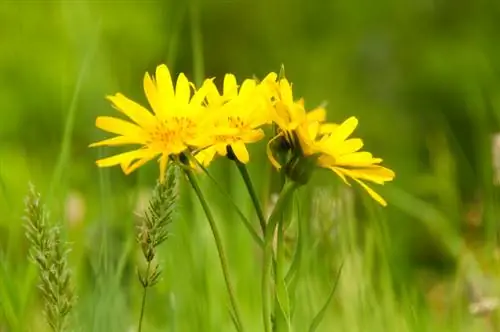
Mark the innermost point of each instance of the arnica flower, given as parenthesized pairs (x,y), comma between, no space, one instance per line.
(236,117)
(328,145)
(291,119)
(172,127)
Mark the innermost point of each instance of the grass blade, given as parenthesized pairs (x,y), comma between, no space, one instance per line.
(319,316)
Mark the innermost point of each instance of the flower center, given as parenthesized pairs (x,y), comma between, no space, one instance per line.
(236,122)
(172,134)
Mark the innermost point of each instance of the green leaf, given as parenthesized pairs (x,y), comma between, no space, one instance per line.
(283,300)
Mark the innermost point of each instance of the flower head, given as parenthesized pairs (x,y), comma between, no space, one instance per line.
(326,144)
(236,117)
(172,127)
(292,120)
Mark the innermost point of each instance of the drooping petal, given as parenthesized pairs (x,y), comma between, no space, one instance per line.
(372,193)
(241,152)
(341,175)
(206,156)
(269,152)
(376,174)
(135,165)
(133,110)
(163,166)
(124,158)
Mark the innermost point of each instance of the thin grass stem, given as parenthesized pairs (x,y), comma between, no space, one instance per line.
(275,217)
(251,190)
(220,248)
(144,294)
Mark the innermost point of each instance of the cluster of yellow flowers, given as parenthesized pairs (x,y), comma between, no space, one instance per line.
(205,122)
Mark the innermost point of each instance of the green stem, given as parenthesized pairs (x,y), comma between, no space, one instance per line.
(145,291)
(297,256)
(243,218)
(220,248)
(287,190)
(280,320)
(251,190)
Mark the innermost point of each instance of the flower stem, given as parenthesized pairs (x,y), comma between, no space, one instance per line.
(275,217)
(251,190)
(145,291)
(220,249)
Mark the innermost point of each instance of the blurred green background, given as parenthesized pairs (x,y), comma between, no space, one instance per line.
(423,77)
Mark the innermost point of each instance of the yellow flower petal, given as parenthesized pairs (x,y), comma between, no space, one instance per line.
(152,94)
(247,87)
(372,193)
(377,174)
(317,114)
(286,91)
(339,171)
(182,90)
(357,159)
(269,152)
(253,136)
(127,169)
(118,140)
(270,78)
(212,94)
(343,131)
(134,111)
(221,149)
(230,87)
(199,96)
(328,128)
(163,166)
(124,158)
(118,126)
(241,152)
(349,146)
(206,156)
(164,84)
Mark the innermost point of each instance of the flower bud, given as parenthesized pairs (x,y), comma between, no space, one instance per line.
(300,168)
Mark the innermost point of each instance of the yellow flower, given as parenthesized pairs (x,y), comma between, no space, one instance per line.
(307,135)
(170,129)
(292,120)
(341,154)
(236,116)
